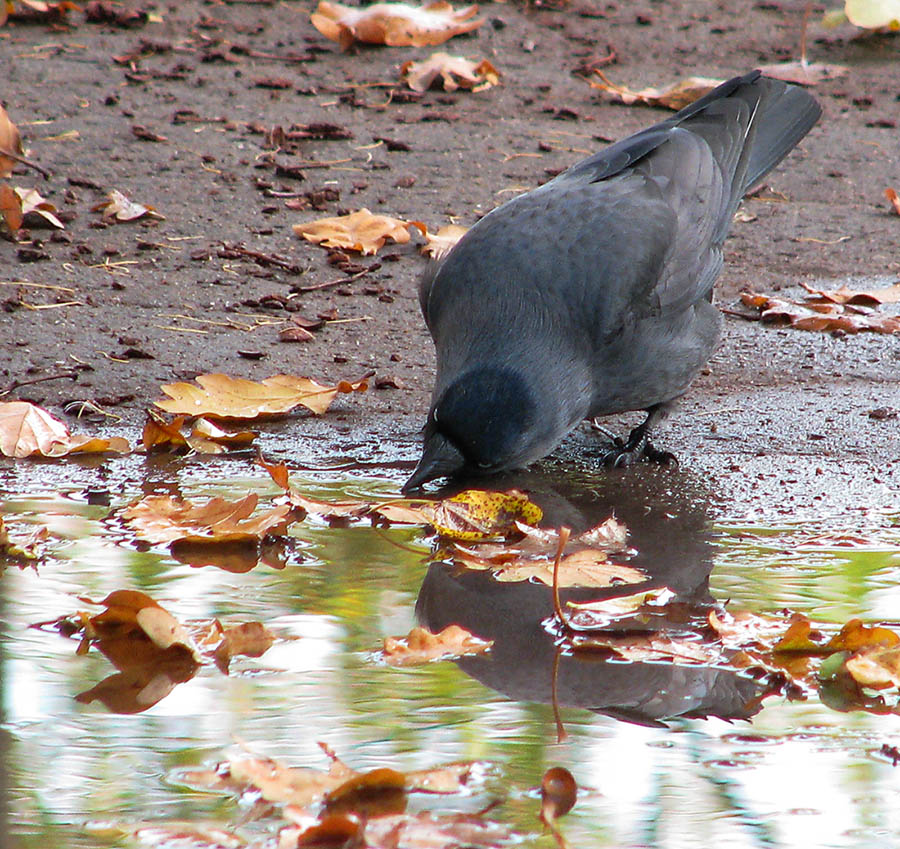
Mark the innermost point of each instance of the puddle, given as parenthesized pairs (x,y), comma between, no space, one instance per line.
(649,771)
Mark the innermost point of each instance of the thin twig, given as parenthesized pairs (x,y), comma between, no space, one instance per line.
(16,384)
(21,159)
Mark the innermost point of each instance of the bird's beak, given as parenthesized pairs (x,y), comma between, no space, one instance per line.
(440,458)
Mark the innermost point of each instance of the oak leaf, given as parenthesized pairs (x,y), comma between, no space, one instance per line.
(393,24)
(27,430)
(224,397)
(453,72)
(422,646)
(164,519)
(360,231)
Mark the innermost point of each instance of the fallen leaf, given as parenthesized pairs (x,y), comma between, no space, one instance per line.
(802,72)
(422,646)
(855,636)
(439,244)
(37,208)
(221,396)
(29,548)
(10,141)
(119,208)
(394,24)
(359,231)
(863,297)
(875,668)
(820,317)
(10,208)
(480,514)
(674,96)
(453,71)
(873,14)
(893,199)
(165,519)
(27,430)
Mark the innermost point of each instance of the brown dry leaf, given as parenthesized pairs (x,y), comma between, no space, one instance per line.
(10,141)
(164,519)
(802,72)
(876,668)
(453,72)
(117,207)
(394,24)
(221,396)
(857,297)
(820,317)
(360,231)
(129,610)
(422,646)
(37,210)
(745,630)
(27,430)
(657,647)
(159,433)
(29,548)
(674,96)
(10,208)
(251,639)
(439,244)
(893,199)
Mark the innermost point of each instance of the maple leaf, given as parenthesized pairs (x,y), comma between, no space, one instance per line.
(452,71)
(165,519)
(360,231)
(393,24)
(221,396)
(27,430)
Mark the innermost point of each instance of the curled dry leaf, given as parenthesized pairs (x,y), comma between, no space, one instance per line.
(422,646)
(205,436)
(10,142)
(439,244)
(117,207)
(873,14)
(674,96)
(818,316)
(360,231)
(37,210)
(453,72)
(164,519)
(394,24)
(27,431)
(224,397)
(857,297)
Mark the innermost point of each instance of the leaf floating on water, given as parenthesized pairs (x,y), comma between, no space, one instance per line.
(394,24)
(205,436)
(674,96)
(221,396)
(360,231)
(165,519)
(422,646)
(452,72)
(481,514)
(27,431)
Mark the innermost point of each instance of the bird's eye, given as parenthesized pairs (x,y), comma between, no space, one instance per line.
(485,465)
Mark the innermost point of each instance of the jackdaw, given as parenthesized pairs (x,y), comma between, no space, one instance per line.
(592,294)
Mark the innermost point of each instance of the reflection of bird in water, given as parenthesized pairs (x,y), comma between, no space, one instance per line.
(592,294)
(666,514)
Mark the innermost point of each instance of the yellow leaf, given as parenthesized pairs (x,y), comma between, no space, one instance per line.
(225,397)
(479,514)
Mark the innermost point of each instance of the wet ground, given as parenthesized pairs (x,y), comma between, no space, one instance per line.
(774,441)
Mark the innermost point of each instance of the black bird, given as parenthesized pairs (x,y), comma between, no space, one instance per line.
(592,294)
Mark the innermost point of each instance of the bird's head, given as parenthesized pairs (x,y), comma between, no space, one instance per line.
(484,422)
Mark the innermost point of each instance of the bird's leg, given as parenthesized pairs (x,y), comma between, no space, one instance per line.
(638,445)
